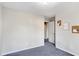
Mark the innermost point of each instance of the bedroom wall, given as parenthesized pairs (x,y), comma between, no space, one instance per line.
(0,29)
(21,30)
(65,39)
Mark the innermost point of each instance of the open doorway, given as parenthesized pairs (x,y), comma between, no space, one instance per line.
(50,31)
(45,31)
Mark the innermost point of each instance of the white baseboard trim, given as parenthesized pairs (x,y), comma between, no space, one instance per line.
(68,51)
(3,54)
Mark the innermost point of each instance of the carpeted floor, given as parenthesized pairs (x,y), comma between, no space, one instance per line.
(47,50)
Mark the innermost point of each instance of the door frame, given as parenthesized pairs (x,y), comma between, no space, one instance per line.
(54,29)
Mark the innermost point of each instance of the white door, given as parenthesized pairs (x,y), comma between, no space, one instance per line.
(51,31)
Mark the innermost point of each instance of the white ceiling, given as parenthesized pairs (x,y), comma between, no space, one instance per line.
(37,8)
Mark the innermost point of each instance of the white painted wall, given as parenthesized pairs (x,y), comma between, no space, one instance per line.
(0,29)
(65,39)
(21,30)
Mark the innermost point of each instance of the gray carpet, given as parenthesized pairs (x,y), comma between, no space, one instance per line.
(47,50)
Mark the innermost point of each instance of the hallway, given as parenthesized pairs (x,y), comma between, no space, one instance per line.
(47,50)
